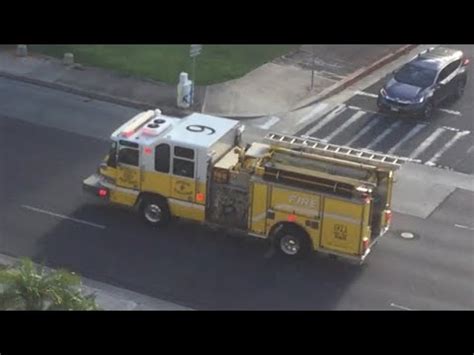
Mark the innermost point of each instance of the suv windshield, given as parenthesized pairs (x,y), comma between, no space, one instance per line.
(417,76)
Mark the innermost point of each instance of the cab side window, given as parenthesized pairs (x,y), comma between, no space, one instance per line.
(183,162)
(128,156)
(162,158)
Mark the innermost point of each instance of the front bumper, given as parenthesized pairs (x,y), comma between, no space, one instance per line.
(93,186)
(401,108)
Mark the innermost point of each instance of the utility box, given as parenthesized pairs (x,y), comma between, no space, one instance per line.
(185,87)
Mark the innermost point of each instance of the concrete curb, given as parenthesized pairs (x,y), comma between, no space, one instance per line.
(356,76)
(95,96)
(110,298)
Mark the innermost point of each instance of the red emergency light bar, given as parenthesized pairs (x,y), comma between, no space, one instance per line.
(137,123)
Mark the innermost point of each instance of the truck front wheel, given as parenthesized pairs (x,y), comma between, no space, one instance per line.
(155,211)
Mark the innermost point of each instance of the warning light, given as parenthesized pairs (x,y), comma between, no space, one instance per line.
(199,197)
(365,243)
(291,218)
(147,150)
(102,192)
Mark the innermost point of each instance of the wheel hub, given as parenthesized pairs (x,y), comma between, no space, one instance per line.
(290,245)
(153,213)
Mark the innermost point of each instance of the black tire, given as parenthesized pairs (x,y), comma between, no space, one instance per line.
(155,211)
(428,110)
(459,89)
(292,242)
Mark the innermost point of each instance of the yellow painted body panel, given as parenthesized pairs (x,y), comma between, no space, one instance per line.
(123,198)
(159,183)
(258,213)
(187,210)
(291,201)
(341,227)
(128,177)
(183,188)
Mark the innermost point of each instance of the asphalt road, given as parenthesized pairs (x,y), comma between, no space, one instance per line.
(50,141)
(445,141)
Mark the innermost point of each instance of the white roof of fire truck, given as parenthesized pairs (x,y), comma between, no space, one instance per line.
(197,129)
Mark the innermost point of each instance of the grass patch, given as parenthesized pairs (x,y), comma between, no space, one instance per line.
(217,63)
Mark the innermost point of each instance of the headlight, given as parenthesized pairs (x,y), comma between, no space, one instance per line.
(420,100)
(383,92)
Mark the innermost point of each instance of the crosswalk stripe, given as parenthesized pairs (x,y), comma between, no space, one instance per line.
(318,108)
(448,145)
(327,119)
(364,130)
(368,94)
(427,142)
(409,135)
(384,134)
(269,123)
(346,124)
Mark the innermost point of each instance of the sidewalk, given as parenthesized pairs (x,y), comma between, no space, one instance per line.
(274,88)
(112,298)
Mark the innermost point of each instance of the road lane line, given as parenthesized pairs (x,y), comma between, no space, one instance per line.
(400,307)
(269,123)
(463,227)
(368,94)
(318,108)
(427,142)
(364,130)
(63,217)
(410,134)
(346,124)
(384,134)
(327,119)
(451,112)
(356,108)
(457,136)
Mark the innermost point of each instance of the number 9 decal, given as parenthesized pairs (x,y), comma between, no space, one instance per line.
(199,129)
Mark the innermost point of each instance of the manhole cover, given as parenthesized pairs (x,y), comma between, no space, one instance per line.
(407,235)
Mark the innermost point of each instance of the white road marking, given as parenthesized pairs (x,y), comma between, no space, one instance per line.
(357,108)
(451,112)
(346,124)
(269,123)
(400,307)
(318,108)
(327,119)
(463,227)
(364,130)
(63,217)
(384,134)
(457,136)
(410,134)
(368,94)
(427,142)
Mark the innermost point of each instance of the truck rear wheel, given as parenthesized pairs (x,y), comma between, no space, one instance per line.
(292,242)
(155,211)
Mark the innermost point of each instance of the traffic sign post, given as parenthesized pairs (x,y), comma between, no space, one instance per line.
(194,51)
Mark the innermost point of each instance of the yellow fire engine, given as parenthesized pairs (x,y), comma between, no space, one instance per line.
(302,194)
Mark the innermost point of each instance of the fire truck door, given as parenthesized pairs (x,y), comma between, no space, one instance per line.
(128,169)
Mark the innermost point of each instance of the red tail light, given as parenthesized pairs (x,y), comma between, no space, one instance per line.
(466,61)
(103,192)
(388,216)
(291,218)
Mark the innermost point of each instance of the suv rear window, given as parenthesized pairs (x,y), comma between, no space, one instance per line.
(417,76)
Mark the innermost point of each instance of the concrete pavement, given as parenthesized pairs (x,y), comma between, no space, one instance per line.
(272,89)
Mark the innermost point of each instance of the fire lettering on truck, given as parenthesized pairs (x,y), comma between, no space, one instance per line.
(303,201)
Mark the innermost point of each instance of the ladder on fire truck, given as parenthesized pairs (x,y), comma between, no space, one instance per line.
(314,145)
